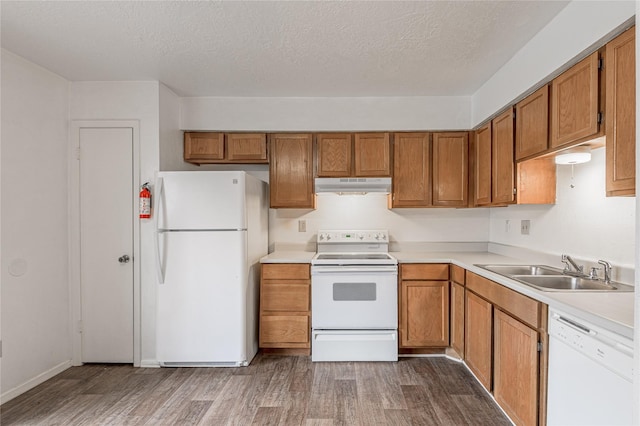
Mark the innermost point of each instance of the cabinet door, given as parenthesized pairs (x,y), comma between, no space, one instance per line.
(334,154)
(424,314)
(457,318)
(247,147)
(477,337)
(200,147)
(482,166)
(532,124)
(411,170)
(515,385)
(372,154)
(621,114)
(450,169)
(502,160)
(575,103)
(291,171)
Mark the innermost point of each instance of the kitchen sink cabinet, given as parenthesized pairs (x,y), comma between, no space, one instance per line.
(456,319)
(424,306)
(506,347)
(575,103)
(333,152)
(221,148)
(411,170)
(621,116)
(372,155)
(502,159)
(450,169)
(285,306)
(291,171)
(532,124)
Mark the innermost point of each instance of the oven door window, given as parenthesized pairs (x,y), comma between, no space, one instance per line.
(350,292)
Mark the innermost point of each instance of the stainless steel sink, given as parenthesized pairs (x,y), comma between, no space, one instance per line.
(548,278)
(509,270)
(564,282)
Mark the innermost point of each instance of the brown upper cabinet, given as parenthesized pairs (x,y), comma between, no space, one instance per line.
(372,155)
(215,147)
(575,103)
(291,171)
(481,159)
(532,124)
(502,159)
(411,170)
(359,155)
(621,114)
(450,169)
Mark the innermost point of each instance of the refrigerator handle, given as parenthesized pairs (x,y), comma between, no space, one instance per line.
(156,208)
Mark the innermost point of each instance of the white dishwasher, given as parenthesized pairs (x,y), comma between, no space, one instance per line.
(590,374)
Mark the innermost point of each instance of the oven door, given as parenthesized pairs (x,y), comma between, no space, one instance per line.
(354,297)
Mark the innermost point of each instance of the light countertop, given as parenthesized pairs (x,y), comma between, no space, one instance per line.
(610,310)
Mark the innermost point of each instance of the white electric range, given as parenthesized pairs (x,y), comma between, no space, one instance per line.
(354,297)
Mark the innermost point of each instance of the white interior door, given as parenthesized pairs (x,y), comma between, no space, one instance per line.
(106,244)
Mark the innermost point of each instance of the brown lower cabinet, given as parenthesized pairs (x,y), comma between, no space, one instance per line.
(506,347)
(285,306)
(456,318)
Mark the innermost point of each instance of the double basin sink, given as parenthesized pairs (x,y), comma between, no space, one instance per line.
(548,278)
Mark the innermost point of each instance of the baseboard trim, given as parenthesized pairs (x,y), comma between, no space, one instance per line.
(32,383)
(149,363)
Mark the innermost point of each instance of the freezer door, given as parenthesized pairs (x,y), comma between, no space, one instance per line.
(201,200)
(203,304)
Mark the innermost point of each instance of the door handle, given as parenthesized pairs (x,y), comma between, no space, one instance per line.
(124,258)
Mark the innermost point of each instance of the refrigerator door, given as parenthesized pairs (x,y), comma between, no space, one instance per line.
(202,306)
(201,200)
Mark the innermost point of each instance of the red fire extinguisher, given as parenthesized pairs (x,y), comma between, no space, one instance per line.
(145,201)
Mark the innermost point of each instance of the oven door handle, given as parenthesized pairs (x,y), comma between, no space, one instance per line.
(383,270)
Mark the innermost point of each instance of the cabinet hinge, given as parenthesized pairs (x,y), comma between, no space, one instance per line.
(600,64)
(600,117)
(515,190)
(514,114)
(539,346)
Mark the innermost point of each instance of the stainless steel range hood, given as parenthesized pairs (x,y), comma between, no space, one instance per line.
(352,185)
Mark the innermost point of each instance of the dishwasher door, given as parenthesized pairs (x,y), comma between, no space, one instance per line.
(590,374)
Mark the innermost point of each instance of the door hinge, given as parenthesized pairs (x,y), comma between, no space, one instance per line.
(600,117)
(539,346)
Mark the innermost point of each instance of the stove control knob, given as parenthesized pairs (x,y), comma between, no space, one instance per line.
(328,237)
(322,237)
(377,236)
(361,236)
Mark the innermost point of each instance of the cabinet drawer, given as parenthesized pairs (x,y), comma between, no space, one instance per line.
(280,330)
(289,296)
(457,274)
(424,271)
(286,271)
(522,307)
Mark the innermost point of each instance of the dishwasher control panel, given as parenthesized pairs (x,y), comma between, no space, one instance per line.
(613,351)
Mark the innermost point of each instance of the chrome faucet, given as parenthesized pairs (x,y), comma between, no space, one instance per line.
(578,269)
(607,271)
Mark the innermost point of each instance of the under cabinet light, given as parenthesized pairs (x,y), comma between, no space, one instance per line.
(581,154)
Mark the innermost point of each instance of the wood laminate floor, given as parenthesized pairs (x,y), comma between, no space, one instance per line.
(273,390)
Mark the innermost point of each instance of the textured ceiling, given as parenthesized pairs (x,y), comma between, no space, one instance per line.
(278,48)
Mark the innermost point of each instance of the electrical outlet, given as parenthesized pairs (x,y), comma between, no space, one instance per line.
(302,226)
(525,227)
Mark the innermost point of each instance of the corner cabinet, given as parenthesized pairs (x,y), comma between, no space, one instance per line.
(291,171)
(502,159)
(424,306)
(457,291)
(621,114)
(481,160)
(285,306)
(575,103)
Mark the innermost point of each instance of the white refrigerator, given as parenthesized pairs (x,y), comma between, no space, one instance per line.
(211,231)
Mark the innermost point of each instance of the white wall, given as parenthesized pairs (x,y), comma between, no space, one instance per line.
(577,27)
(325,114)
(35,305)
(370,212)
(170,135)
(131,100)
(583,223)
